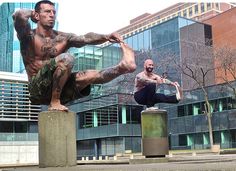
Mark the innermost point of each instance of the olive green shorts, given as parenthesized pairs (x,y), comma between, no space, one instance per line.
(40,86)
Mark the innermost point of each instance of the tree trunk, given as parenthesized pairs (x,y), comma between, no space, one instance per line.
(208,113)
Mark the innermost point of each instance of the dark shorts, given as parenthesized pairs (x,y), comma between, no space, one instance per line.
(40,86)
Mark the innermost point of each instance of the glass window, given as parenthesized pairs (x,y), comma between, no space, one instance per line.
(189,109)
(202,7)
(136,114)
(208,6)
(198,139)
(182,140)
(6,127)
(128,114)
(185,13)
(222,104)
(214,106)
(196,109)
(135,42)
(231,103)
(190,12)
(146,41)
(196,9)
(130,41)
(181,111)
(21,127)
(217,6)
(216,137)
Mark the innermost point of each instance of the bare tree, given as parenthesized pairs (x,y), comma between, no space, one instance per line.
(226,66)
(197,65)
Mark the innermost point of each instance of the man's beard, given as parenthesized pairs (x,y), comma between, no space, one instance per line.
(148,69)
(49,26)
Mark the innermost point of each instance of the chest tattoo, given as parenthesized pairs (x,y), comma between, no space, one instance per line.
(48,48)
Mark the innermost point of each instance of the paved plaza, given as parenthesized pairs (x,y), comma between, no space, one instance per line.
(204,162)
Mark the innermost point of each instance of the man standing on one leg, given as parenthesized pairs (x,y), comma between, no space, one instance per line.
(48,65)
(145,87)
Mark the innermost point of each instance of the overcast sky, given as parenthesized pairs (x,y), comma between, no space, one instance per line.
(102,16)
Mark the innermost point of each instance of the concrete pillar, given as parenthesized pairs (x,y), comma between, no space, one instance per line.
(154,133)
(57,139)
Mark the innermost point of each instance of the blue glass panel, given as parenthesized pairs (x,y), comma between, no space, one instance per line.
(135,42)
(146,39)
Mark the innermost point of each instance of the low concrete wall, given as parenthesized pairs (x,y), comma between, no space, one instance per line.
(18,152)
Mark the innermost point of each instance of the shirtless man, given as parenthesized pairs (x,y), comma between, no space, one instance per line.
(145,88)
(47,64)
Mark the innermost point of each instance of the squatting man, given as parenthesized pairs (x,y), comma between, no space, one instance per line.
(49,66)
(145,87)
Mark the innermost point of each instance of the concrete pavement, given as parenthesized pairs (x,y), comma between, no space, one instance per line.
(176,163)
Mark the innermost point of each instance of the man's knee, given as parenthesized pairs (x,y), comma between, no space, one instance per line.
(66,60)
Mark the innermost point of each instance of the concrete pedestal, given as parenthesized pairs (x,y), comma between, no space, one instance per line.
(57,139)
(154,133)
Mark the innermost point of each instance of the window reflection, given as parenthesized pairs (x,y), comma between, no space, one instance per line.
(216,105)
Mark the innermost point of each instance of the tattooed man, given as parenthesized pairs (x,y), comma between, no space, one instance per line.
(145,88)
(48,65)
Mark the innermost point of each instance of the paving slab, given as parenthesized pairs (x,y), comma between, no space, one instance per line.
(180,163)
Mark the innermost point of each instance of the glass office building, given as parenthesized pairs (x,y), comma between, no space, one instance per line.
(188,127)
(6,36)
(109,119)
(18,117)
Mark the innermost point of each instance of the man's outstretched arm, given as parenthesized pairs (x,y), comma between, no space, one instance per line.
(145,80)
(92,39)
(21,22)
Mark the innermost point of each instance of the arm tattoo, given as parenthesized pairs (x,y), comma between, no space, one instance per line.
(89,38)
(166,81)
(145,80)
(21,23)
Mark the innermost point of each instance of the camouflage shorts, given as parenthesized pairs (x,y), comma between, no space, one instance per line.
(40,86)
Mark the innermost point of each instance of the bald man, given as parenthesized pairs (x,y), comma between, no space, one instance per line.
(145,87)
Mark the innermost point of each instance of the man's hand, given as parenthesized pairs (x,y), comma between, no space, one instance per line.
(115,38)
(175,84)
(33,17)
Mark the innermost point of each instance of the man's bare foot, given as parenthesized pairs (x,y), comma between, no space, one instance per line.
(58,107)
(127,62)
(179,91)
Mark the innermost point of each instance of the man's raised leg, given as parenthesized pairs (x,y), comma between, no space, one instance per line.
(64,64)
(126,65)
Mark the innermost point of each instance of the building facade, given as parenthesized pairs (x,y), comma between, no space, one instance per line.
(6,37)
(196,11)
(18,121)
(188,125)
(223,37)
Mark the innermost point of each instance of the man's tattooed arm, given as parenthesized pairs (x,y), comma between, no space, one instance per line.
(89,38)
(21,22)
(145,80)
